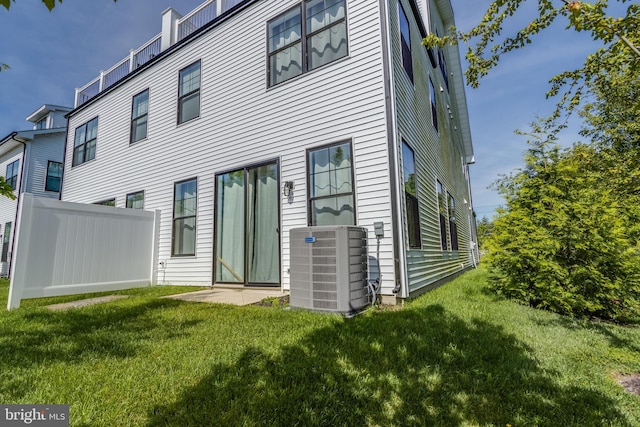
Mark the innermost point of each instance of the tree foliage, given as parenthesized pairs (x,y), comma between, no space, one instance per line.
(619,36)
(6,189)
(568,238)
(485,228)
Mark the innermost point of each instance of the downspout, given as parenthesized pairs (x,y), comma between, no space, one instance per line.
(64,155)
(398,248)
(15,222)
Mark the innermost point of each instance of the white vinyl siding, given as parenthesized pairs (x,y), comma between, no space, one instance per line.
(244,122)
(40,151)
(8,207)
(437,155)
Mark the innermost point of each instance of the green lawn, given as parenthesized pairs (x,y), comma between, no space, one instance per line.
(456,356)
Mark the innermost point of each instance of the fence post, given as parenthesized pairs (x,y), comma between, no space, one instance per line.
(19,264)
(155,250)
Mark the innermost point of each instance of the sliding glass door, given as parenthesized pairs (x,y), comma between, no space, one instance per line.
(247,226)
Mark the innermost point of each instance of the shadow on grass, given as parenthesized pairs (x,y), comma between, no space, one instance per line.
(412,367)
(31,338)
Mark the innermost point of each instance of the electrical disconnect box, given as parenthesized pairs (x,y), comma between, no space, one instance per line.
(329,269)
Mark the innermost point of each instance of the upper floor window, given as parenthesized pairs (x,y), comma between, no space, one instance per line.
(12,174)
(434,105)
(189,93)
(54,174)
(405,42)
(84,148)
(135,200)
(139,113)
(411,195)
(306,37)
(331,200)
(41,124)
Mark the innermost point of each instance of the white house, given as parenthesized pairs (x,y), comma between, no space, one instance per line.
(31,161)
(244,119)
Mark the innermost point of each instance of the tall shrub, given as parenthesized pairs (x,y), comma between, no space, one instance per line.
(567,239)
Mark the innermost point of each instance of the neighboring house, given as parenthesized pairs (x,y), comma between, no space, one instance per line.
(245,119)
(31,161)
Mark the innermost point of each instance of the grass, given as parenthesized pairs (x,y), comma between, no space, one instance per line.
(456,356)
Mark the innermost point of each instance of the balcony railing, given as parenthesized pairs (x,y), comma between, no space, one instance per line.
(197,19)
(184,26)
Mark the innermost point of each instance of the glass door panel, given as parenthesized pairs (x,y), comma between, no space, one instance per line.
(230,230)
(247,226)
(263,254)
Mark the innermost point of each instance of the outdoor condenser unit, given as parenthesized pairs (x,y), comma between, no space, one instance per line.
(329,268)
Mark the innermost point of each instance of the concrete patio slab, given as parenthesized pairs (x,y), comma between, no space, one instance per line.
(229,296)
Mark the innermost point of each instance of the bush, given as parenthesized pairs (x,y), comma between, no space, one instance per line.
(567,240)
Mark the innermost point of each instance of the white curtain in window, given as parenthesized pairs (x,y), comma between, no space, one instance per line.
(230,232)
(264,249)
(330,44)
(331,175)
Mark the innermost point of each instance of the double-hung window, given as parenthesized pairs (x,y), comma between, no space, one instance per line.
(453,227)
(434,104)
(84,147)
(135,200)
(12,174)
(139,116)
(442,214)
(405,42)
(411,195)
(189,93)
(185,202)
(305,37)
(54,174)
(331,196)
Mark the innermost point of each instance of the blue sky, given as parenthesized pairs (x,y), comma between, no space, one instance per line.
(52,53)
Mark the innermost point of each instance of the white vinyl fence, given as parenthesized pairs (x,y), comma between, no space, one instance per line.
(64,248)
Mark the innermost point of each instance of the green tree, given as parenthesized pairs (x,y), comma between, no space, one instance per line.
(567,240)
(618,34)
(485,228)
(6,189)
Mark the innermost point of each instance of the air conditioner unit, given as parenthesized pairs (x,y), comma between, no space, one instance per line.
(329,269)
